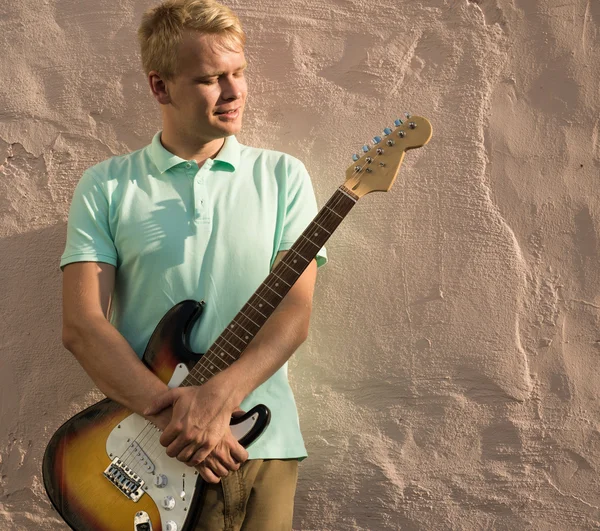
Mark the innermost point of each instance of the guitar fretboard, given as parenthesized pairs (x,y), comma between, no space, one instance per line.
(229,346)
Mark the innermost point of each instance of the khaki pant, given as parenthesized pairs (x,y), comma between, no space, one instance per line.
(257,497)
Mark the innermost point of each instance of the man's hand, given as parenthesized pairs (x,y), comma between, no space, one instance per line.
(227,456)
(199,422)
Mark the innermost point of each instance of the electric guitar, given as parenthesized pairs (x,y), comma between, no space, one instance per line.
(105,470)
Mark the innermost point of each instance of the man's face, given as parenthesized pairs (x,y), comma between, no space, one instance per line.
(209,83)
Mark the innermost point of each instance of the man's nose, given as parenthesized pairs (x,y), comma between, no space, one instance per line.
(232,88)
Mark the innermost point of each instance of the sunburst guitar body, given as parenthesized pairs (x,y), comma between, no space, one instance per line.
(105,470)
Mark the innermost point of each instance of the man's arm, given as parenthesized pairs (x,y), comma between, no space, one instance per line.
(101,350)
(282,334)
(198,424)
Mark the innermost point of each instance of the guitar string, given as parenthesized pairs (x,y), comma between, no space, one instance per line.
(150,429)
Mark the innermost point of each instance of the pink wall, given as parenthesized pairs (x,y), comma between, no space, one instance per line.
(451,376)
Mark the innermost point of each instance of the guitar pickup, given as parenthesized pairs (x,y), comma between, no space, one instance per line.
(142,457)
(125,479)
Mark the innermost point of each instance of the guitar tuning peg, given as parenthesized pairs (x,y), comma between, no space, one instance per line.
(408,115)
(355,157)
(387,131)
(366,148)
(376,140)
(398,123)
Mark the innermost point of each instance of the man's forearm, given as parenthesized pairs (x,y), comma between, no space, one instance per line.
(112,364)
(285,330)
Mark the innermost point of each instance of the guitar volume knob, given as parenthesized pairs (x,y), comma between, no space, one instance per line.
(171,526)
(160,480)
(168,503)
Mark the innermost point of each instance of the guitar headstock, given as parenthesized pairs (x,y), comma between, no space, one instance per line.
(377,168)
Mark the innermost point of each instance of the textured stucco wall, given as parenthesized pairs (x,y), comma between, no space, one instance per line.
(451,378)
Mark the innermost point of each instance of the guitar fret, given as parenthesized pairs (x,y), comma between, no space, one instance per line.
(298,254)
(331,218)
(334,212)
(247,331)
(320,226)
(191,377)
(232,332)
(206,368)
(273,273)
(256,309)
(221,337)
(265,300)
(223,351)
(287,265)
(249,319)
(276,293)
(317,246)
(212,366)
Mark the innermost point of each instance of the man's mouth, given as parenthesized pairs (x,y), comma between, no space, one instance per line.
(232,111)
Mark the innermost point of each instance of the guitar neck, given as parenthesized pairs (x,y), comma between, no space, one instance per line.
(246,324)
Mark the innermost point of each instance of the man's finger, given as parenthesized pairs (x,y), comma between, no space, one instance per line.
(207,474)
(180,444)
(238,452)
(223,456)
(218,469)
(187,453)
(197,459)
(171,433)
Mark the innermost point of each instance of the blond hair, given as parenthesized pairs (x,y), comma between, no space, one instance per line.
(163,26)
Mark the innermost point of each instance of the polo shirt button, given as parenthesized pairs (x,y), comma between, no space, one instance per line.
(188,165)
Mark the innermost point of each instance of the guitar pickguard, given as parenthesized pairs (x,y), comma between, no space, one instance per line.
(170,483)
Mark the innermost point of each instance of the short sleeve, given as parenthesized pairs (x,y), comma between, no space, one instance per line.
(88,234)
(300,210)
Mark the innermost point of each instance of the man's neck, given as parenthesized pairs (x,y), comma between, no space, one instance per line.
(189,148)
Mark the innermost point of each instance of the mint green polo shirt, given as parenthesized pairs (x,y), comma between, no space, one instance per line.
(175,231)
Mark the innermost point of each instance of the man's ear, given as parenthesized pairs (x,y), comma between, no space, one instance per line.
(159,88)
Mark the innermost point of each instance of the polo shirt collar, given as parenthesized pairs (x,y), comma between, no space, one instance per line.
(230,153)
(165,160)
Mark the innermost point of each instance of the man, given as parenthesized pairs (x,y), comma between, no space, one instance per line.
(195,215)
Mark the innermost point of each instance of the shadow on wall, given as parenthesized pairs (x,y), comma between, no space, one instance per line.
(41,384)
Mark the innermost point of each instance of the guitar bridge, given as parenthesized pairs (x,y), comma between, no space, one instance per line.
(125,479)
